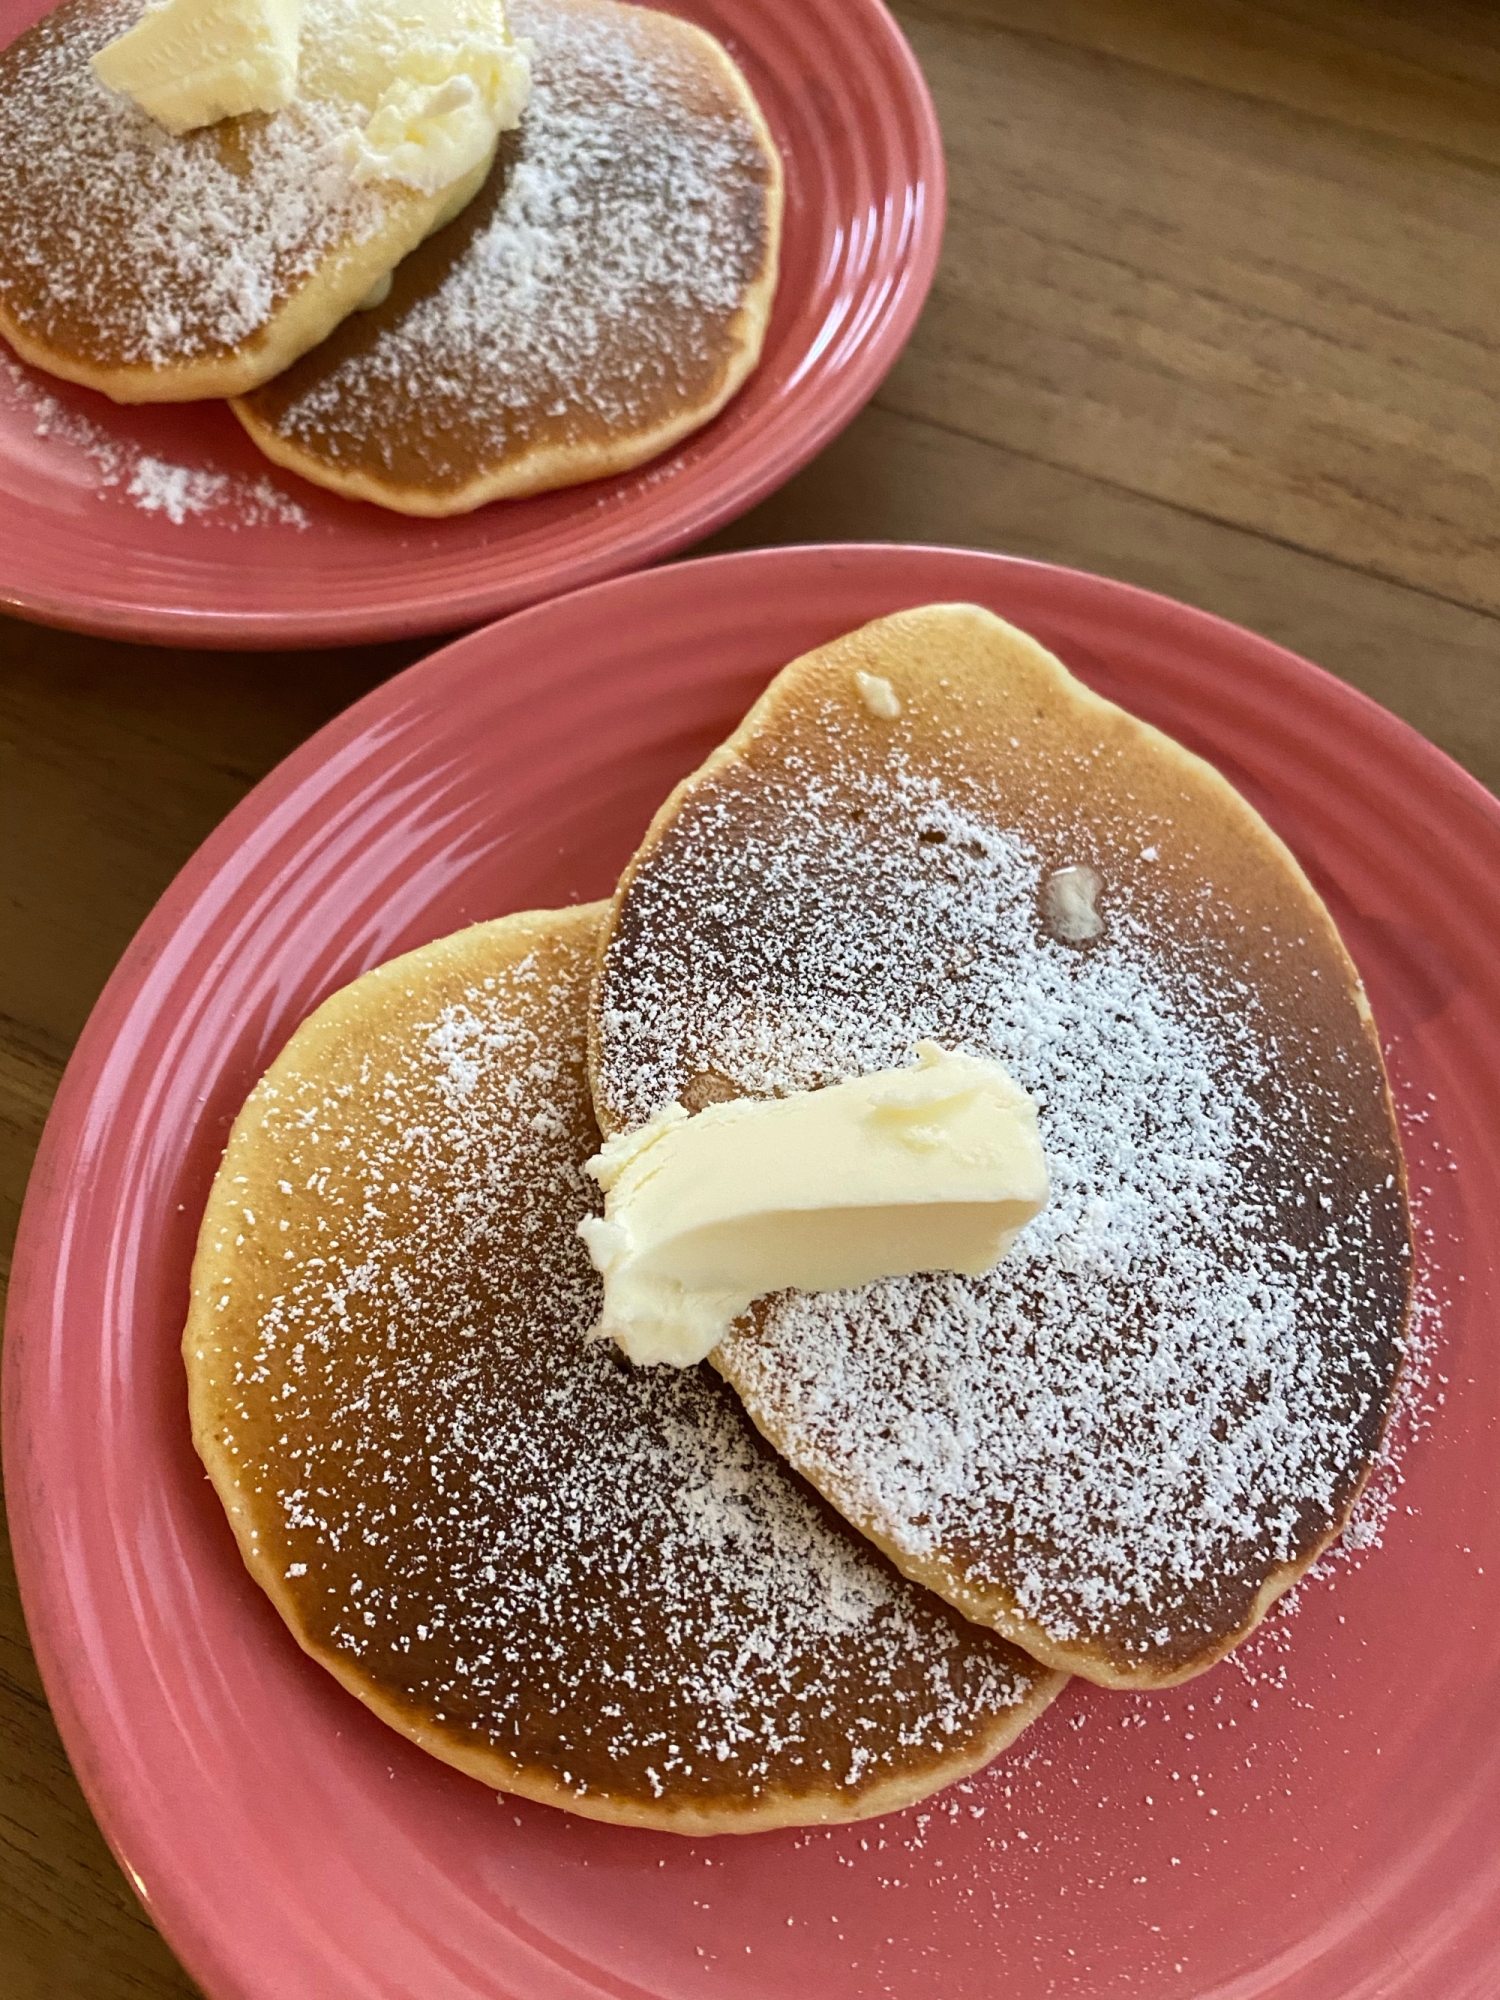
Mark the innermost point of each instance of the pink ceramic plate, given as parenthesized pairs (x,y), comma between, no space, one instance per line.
(1318,1819)
(166,523)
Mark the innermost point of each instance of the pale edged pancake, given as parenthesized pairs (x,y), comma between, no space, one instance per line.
(1123,1444)
(593,1586)
(160,268)
(604,297)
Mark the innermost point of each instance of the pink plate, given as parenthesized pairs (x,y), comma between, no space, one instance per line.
(166,523)
(1318,1819)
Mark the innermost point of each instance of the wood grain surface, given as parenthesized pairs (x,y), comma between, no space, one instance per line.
(1216,314)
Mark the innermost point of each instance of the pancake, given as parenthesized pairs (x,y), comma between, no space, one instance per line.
(588,1585)
(1120,1446)
(166,269)
(605,296)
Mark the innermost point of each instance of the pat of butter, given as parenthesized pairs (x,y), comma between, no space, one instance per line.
(426,86)
(878,696)
(935,1168)
(456,82)
(192,62)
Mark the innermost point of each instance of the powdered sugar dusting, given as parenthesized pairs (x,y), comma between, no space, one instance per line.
(123,243)
(182,491)
(155,485)
(597,1569)
(1420,1394)
(1176,1380)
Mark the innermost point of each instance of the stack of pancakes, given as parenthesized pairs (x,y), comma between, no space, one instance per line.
(854,1557)
(583,300)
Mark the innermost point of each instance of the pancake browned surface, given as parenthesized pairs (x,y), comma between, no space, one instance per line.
(592,1585)
(1121,1445)
(165,269)
(605,296)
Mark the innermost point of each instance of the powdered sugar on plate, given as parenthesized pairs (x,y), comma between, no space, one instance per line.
(154,484)
(181,491)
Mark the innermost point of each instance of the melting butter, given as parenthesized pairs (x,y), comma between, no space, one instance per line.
(878,696)
(192,62)
(442,96)
(428,86)
(933,1168)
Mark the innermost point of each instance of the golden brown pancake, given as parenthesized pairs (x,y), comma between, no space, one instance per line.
(166,269)
(590,1585)
(604,297)
(1122,1444)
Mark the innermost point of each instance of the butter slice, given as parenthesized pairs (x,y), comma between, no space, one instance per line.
(445,91)
(934,1168)
(428,85)
(192,62)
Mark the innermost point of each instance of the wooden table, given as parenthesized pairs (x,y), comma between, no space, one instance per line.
(1217,314)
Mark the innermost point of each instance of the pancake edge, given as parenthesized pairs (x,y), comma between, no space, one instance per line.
(777,1808)
(997,1610)
(324,299)
(994,1608)
(765,712)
